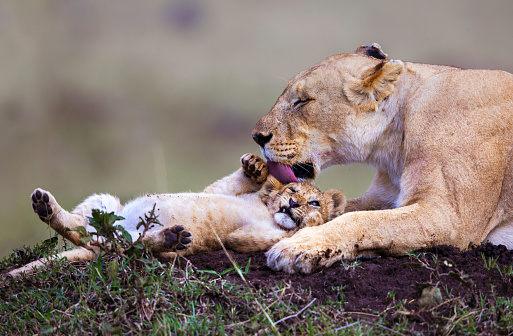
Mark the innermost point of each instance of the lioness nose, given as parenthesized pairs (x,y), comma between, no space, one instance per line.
(261,139)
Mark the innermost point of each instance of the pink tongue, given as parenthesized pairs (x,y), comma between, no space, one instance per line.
(282,172)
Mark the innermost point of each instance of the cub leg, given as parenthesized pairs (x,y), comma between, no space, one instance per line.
(50,212)
(253,239)
(73,256)
(247,179)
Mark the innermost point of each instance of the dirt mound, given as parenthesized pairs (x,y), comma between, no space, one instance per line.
(421,279)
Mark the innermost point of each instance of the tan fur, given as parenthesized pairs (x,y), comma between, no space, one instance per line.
(440,138)
(229,212)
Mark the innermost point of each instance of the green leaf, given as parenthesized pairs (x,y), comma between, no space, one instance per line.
(209,271)
(463,278)
(246,269)
(112,269)
(144,260)
(124,233)
(47,329)
(113,217)
(50,243)
(430,298)
(80,229)
(86,239)
(226,271)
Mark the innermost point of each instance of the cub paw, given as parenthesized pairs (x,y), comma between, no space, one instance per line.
(44,204)
(177,238)
(254,168)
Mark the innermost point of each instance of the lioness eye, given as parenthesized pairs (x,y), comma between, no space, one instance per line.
(300,102)
(314,203)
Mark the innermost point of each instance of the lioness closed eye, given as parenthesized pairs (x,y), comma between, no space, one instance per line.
(248,210)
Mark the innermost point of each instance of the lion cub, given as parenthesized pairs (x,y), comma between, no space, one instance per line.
(248,210)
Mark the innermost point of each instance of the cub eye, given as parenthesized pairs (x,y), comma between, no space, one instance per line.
(314,203)
(292,190)
(300,102)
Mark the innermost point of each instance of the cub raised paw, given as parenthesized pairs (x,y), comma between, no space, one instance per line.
(177,238)
(254,168)
(44,204)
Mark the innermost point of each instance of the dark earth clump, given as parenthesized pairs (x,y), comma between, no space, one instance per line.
(417,283)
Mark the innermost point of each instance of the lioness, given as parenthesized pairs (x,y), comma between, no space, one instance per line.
(231,211)
(440,138)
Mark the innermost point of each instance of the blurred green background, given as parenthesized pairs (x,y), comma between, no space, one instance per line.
(128,97)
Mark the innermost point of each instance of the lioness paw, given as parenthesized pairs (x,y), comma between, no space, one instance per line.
(177,238)
(44,204)
(303,253)
(254,168)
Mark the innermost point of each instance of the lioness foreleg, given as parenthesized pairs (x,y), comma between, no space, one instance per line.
(366,233)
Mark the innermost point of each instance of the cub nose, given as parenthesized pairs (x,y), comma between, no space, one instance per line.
(293,204)
(261,139)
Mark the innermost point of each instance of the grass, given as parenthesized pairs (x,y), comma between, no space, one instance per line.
(153,298)
(120,295)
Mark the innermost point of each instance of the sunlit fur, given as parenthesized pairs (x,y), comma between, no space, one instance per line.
(230,211)
(440,138)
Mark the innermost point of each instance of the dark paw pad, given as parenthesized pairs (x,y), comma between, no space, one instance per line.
(41,205)
(254,168)
(177,238)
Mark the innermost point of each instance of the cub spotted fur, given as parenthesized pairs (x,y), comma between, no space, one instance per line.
(231,211)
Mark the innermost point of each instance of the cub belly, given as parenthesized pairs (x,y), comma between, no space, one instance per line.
(202,214)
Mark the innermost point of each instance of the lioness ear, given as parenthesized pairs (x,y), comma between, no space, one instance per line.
(338,202)
(373,50)
(378,82)
(270,187)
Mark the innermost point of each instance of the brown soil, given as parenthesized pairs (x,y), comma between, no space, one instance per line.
(376,284)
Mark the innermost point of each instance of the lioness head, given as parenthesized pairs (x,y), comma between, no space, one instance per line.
(300,204)
(332,113)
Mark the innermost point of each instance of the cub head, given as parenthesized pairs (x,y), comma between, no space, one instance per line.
(332,113)
(300,204)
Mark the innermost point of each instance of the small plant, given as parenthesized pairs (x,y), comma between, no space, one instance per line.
(505,271)
(489,263)
(347,266)
(340,293)
(113,239)
(413,255)
(391,296)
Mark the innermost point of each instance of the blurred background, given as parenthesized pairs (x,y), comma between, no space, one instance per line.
(128,97)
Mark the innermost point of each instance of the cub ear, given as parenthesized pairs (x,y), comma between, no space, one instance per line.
(373,50)
(269,189)
(338,202)
(378,82)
